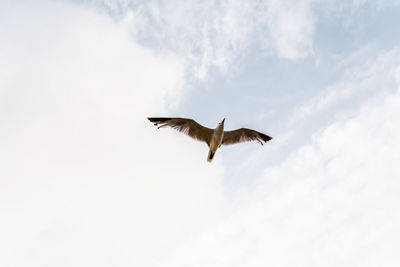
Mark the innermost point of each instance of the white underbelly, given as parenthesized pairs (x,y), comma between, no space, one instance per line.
(216,140)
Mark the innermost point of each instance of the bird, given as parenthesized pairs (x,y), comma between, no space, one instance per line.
(214,138)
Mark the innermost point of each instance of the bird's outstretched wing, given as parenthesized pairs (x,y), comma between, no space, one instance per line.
(186,126)
(244,135)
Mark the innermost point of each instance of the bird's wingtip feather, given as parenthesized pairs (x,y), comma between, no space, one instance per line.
(157,119)
(265,137)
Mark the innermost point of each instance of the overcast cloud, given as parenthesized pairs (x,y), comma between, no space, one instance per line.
(85,180)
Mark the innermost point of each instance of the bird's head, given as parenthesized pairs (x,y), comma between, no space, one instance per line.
(222,122)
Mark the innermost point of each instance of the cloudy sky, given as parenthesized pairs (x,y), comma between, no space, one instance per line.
(86,180)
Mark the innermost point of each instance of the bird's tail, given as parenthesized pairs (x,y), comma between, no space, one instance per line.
(210,155)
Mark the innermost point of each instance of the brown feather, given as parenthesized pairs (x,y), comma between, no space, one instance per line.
(244,135)
(186,126)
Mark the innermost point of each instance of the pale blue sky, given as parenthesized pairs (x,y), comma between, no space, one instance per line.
(264,91)
(86,180)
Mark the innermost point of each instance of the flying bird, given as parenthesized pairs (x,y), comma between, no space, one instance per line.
(214,138)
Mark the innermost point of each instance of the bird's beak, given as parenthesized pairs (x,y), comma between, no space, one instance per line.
(223,120)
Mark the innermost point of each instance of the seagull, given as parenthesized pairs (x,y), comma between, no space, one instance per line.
(214,138)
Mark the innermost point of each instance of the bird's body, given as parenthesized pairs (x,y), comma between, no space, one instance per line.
(214,138)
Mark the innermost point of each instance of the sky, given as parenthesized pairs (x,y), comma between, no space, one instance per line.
(86,180)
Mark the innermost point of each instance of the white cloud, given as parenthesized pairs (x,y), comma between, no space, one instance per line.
(333,202)
(366,72)
(292,26)
(85,179)
(214,34)
(208,35)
